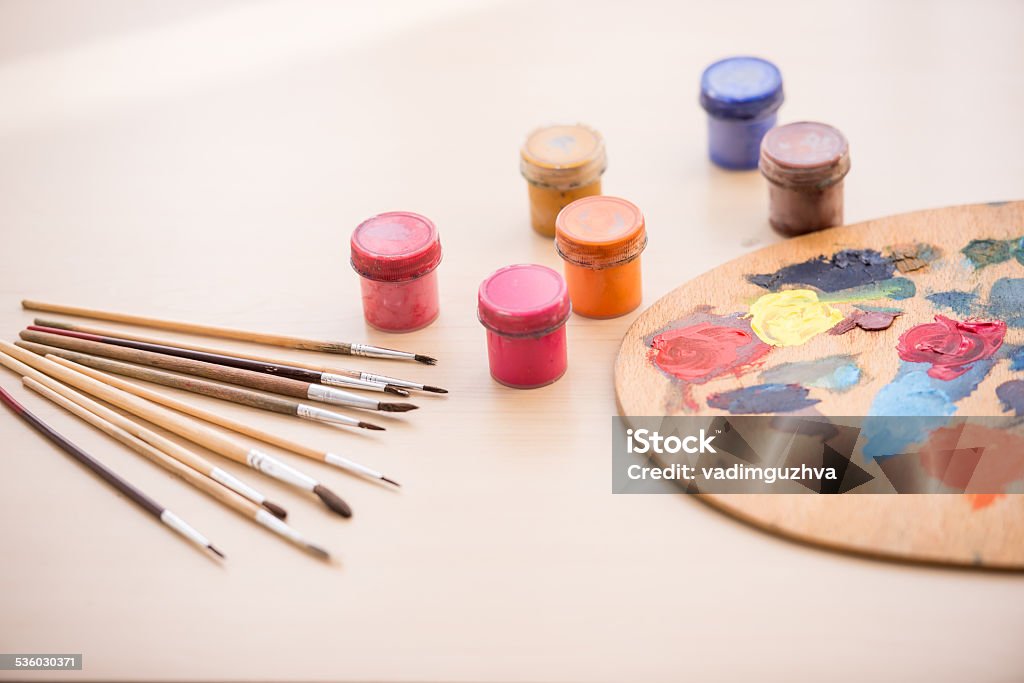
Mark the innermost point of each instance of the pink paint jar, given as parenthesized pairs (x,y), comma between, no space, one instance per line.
(524,309)
(396,255)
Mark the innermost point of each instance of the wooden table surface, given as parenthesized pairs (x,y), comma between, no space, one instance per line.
(208,160)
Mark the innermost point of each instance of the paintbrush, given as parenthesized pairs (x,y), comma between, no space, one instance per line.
(188,428)
(104,419)
(332,376)
(245,378)
(214,418)
(343,348)
(133,494)
(225,392)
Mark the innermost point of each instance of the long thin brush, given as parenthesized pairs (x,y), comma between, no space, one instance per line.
(288,341)
(332,376)
(102,418)
(245,378)
(220,420)
(178,452)
(225,392)
(188,428)
(133,494)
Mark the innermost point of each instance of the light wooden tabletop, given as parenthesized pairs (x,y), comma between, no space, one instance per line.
(208,160)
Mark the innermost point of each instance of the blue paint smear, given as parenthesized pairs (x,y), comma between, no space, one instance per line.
(1017,358)
(914,394)
(843,270)
(1011,395)
(955,300)
(1006,301)
(835,373)
(763,398)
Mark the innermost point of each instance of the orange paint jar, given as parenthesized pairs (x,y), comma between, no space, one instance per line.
(601,239)
(561,164)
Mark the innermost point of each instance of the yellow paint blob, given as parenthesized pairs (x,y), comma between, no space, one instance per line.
(791,317)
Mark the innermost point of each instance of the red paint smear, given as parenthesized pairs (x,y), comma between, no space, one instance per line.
(950,345)
(973,457)
(704,351)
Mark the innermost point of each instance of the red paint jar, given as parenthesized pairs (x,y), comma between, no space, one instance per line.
(396,255)
(524,309)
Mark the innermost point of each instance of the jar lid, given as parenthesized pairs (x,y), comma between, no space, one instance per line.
(600,231)
(563,156)
(523,299)
(741,88)
(394,246)
(805,153)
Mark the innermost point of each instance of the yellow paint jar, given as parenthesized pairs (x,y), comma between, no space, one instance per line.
(561,164)
(601,239)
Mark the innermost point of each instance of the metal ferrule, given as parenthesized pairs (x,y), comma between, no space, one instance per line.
(237,485)
(405,384)
(343,381)
(307,412)
(182,527)
(346,464)
(271,466)
(379,352)
(318,392)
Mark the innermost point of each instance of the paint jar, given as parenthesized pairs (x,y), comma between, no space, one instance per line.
(396,255)
(524,309)
(805,164)
(741,96)
(601,239)
(561,164)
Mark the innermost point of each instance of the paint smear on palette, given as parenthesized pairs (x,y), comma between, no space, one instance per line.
(1006,301)
(843,270)
(870,321)
(1017,358)
(763,398)
(915,393)
(911,257)
(1011,395)
(896,288)
(951,346)
(974,457)
(834,373)
(955,300)
(791,317)
(704,346)
(988,252)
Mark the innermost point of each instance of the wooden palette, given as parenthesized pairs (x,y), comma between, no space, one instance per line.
(964,263)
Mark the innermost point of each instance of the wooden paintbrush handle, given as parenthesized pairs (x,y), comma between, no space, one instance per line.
(246,378)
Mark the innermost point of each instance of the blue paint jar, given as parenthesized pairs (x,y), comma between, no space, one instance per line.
(741,96)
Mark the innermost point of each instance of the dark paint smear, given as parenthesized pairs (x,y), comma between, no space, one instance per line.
(843,270)
(1006,301)
(1011,394)
(763,398)
(983,253)
(955,300)
(871,321)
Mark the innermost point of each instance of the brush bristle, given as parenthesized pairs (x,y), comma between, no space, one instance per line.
(397,391)
(396,407)
(332,500)
(318,551)
(426,360)
(433,389)
(391,481)
(275,509)
(370,425)
(216,552)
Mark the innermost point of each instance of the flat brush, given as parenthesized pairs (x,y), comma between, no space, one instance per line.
(343,348)
(225,392)
(187,428)
(277,369)
(214,418)
(178,452)
(100,417)
(133,494)
(332,376)
(246,378)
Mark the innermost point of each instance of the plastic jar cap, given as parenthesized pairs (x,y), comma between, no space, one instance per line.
(523,299)
(393,246)
(600,231)
(805,153)
(741,88)
(563,156)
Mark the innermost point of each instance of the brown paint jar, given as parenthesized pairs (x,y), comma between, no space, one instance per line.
(561,164)
(805,164)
